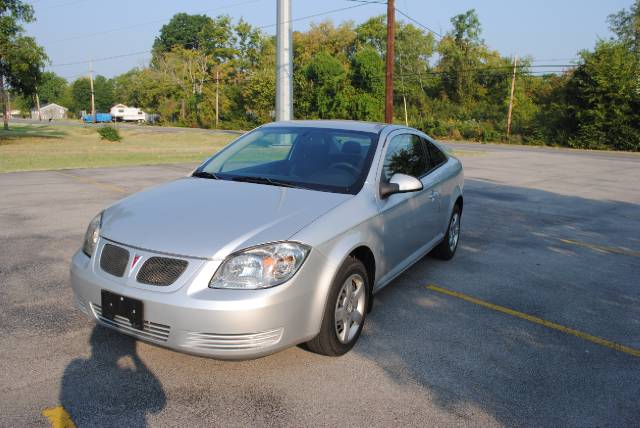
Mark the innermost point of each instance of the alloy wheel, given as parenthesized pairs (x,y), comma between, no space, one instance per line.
(454,231)
(349,311)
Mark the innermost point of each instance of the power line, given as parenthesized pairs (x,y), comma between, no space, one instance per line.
(415,21)
(101,59)
(557,59)
(129,27)
(492,71)
(492,68)
(315,15)
(142,24)
(368,1)
(434,32)
(259,27)
(69,3)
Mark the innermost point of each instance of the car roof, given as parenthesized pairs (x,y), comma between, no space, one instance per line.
(349,125)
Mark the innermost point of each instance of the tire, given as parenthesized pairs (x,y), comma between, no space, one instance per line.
(447,248)
(349,296)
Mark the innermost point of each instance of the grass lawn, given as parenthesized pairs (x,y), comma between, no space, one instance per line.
(37,147)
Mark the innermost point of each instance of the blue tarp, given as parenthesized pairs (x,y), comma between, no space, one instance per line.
(100,118)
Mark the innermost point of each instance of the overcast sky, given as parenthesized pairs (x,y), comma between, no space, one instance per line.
(545,29)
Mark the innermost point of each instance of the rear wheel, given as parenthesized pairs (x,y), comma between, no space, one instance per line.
(447,248)
(344,312)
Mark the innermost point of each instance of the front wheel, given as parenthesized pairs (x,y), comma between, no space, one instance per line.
(345,311)
(447,248)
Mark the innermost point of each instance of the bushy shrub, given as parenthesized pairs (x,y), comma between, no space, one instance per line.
(472,130)
(109,133)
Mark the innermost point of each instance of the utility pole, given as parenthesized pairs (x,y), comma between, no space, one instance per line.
(404,95)
(388,96)
(217,95)
(8,112)
(513,89)
(4,94)
(284,61)
(406,116)
(93,101)
(38,106)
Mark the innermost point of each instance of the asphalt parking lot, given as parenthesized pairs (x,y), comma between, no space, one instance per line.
(536,321)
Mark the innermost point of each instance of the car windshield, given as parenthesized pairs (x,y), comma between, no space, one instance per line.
(332,160)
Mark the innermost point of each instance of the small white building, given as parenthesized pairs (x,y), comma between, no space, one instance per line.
(50,111)
(122,113)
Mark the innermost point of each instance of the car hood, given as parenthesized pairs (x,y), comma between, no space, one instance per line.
(213,218)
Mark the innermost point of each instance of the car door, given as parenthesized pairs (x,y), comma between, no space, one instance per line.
(437,178)
(407,219)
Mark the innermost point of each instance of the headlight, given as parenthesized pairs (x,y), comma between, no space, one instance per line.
(260,267)
(91,236)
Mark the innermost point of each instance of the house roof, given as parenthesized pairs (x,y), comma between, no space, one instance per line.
(52,105)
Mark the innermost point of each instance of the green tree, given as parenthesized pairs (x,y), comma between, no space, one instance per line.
(603,99)
(103,90)
(626,25)
(187,72)
(183,30)
(144,88)
(213,36)
(52,88)
(217,39)
(127,88)
(21,59)
(255,102)
(81,95)
(414,49)
(250,45)
(328,80)
(596,105)
(373,33)
(367,78)
(460,54)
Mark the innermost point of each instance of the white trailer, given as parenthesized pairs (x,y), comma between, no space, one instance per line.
(122,113)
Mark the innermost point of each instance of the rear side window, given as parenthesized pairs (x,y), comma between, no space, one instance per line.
(405,155)
(436,157)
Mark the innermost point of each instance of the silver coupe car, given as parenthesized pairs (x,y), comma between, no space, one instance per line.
(281,238)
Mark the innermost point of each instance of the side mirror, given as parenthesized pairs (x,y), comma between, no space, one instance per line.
(399,183)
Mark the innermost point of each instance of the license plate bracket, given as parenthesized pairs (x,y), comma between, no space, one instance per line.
(114,304)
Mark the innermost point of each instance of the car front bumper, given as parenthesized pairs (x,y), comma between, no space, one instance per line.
(190,317)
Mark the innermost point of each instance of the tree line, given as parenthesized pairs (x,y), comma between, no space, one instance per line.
(453,86)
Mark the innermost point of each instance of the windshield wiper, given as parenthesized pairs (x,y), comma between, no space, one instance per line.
(204,174)
(264,180)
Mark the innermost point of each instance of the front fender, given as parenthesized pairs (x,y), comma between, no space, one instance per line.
(336,253)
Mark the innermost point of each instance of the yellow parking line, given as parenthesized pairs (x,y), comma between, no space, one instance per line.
(58,417)
(87,180)
(614,250)
(586,336)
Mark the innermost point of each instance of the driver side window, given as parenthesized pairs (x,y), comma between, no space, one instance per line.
(405,155)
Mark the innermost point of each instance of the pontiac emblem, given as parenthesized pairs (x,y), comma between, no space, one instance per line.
(135,261)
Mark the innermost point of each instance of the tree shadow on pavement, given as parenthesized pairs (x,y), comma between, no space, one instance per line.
(113,387)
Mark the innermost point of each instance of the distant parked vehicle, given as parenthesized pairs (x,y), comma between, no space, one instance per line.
(100,118)
(122,113)
(153,118)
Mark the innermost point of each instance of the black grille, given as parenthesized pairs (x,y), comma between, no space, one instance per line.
(114,260)
(161,271)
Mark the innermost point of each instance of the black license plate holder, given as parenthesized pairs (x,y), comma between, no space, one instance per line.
(114,304)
